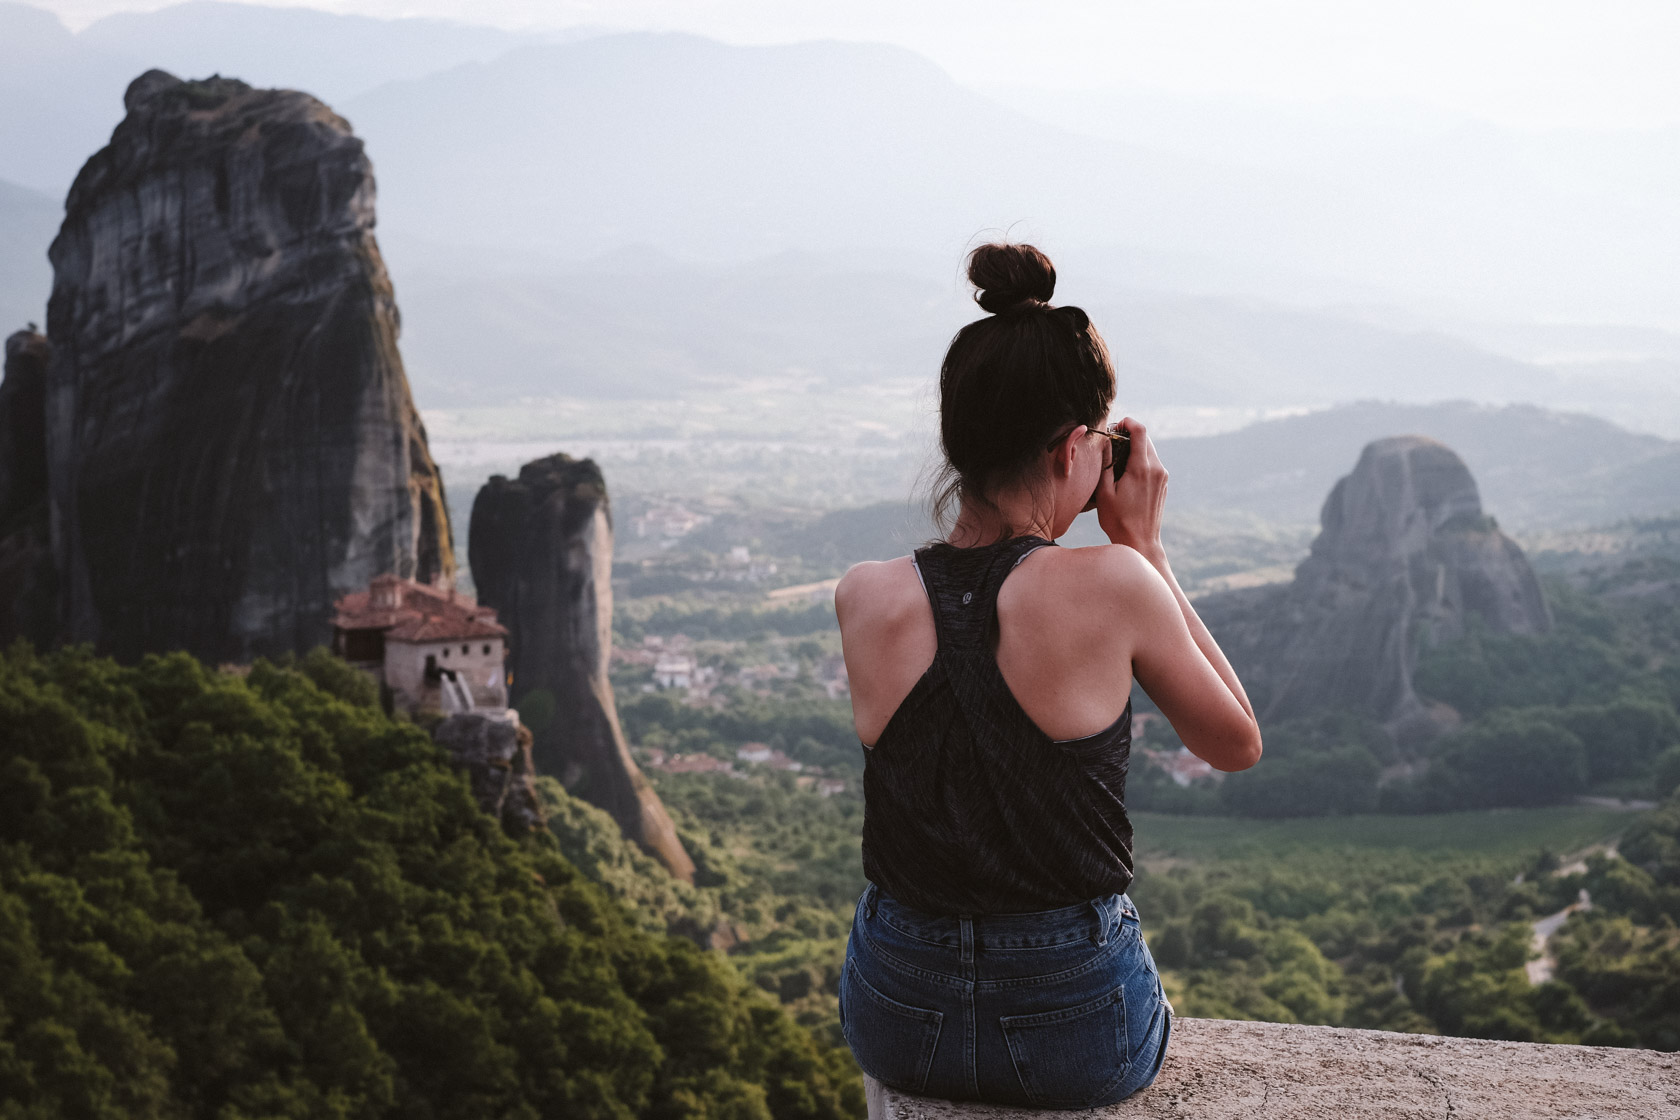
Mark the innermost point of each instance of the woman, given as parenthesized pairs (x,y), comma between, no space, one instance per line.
(995,955)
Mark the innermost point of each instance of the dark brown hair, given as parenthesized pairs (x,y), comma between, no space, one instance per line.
(1016,380)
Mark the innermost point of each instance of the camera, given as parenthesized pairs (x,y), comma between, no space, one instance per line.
(1120,441)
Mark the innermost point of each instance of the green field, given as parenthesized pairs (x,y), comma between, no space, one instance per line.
(1495,833)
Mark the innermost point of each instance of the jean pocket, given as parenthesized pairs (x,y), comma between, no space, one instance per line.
(1073,1057)
(893,1042)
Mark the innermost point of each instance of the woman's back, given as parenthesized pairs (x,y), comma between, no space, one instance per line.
(1068,665)
(961,772)
(1074,626)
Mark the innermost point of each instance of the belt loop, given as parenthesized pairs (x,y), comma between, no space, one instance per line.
(967,927)
(870,897)
(1101,936)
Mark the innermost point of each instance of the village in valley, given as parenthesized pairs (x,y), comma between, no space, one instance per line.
(711,674)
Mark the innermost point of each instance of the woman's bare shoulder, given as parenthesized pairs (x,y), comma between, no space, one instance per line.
(1105,569)
(878,590)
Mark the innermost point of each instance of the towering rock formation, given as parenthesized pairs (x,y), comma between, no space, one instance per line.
(230,439)
(1404,559)
(28,581)
(541,552)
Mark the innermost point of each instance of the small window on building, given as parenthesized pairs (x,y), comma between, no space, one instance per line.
(464,649)
(364,645)
(446,651)
(487,649)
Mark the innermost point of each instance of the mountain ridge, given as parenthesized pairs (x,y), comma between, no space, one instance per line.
(1223,517)
(880,157)
(890,148)
(1536,467)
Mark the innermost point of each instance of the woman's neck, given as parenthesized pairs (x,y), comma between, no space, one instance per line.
(1011,514)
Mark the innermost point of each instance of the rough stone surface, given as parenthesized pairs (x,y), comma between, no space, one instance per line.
(541,551)
(1221,1070)
(230,439)
(496,754)
(28,579)
(1404,560)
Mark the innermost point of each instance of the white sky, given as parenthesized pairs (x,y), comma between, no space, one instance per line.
(1525,62)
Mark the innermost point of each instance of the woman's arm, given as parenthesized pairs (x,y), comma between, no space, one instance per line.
(1180,666)
(1200,634)
(1175,658)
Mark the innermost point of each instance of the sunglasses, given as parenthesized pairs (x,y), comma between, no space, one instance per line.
(1120,447)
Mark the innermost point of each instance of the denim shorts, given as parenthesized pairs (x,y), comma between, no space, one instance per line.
(1055,1009)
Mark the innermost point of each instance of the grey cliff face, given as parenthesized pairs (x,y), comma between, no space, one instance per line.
(231,443)
(28,580)
(497,758)
(1404,559)
(541,553)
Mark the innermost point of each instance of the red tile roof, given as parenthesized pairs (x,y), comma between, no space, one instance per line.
(415,612)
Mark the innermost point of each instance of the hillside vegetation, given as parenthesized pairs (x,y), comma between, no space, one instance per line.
(238,896)
(1366,929)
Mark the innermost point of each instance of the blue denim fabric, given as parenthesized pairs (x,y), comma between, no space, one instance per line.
(1057,1009)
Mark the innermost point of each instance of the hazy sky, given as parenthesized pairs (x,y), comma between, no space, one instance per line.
(1525,62)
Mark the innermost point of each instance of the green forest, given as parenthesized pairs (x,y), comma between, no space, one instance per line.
(255,895)
(1385,923)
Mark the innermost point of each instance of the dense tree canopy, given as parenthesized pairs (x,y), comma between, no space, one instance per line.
(227,895)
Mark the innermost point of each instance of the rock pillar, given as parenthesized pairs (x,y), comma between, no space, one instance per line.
(541,553)
(230,440)
(1405,559)
(28,579)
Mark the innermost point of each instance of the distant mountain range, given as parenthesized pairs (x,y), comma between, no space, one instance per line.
(1251,499)
(723,152)
(640,215)
(716,151)
(1535,468)
(512,142)
(61,93)
(635,325)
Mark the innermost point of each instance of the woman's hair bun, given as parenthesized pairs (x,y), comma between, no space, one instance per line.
(1008,274)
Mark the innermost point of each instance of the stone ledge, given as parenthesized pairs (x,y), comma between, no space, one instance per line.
(1218,1069)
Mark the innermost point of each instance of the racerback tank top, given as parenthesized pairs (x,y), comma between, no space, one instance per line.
(968,807)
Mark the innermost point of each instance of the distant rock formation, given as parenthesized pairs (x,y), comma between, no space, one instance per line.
(541,552)
(28,580)
(496,754)
(230,440)
(1405,558)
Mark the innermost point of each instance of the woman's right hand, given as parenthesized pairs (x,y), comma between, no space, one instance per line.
(1130,509)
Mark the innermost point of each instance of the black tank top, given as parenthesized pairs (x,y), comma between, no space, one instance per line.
(968,807)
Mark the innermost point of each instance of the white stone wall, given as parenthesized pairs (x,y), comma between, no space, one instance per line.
(484,672)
